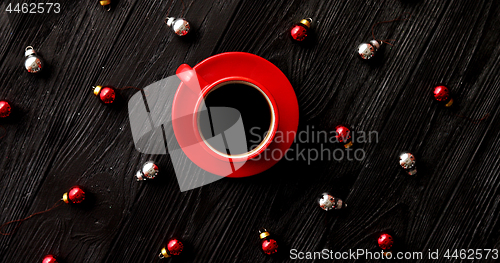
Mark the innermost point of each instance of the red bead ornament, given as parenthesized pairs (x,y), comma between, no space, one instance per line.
(269,245)
(5,109)
(300,30)
(385,241)
(343,135)
(75,195)
(442,94)
(49,259)
(173,248)
(106,94)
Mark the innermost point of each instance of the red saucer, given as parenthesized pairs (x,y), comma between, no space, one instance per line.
(244,65)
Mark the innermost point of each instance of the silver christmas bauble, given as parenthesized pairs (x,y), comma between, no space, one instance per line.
(32,63)
(180,25)
(368,50)
(149,171)
(408,162)
(328,202)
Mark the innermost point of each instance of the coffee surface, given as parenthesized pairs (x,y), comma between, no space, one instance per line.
(226,108)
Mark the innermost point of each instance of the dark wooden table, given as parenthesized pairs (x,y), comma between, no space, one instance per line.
(60,135)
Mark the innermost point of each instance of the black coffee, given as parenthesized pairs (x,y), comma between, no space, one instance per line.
(225,106)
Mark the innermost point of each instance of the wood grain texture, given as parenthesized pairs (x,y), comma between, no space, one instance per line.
(61,135)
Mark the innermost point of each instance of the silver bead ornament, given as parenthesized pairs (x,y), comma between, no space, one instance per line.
(408,163)
(368,50)
(149,171)
(32,63)
(327,202)
(180,25)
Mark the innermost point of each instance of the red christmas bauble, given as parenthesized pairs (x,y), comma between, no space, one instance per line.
(441,93)
(4,109)
(385,241)
(299,32)
(49,259)
(76,195)
(269,246)
(175,247)
(343,133)
(107,95)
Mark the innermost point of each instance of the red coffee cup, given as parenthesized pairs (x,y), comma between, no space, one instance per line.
(197,84)
(221,70)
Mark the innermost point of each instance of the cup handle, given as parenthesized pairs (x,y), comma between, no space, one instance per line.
(189,77)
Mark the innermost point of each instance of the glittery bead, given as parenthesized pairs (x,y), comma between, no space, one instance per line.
(300,30)
(269,246)
(328,202)
(408,162)
(180,26)
(368,50)
(106,94)
(175,247)
(49,259)
(442,94)
(5,109)
(385,241)
(343,135)
(149,171)
(75,195)
(33,63)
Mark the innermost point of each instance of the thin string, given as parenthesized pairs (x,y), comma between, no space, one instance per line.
(60,202)
(170,9)
(472,120)
(389,21)
(4,133)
